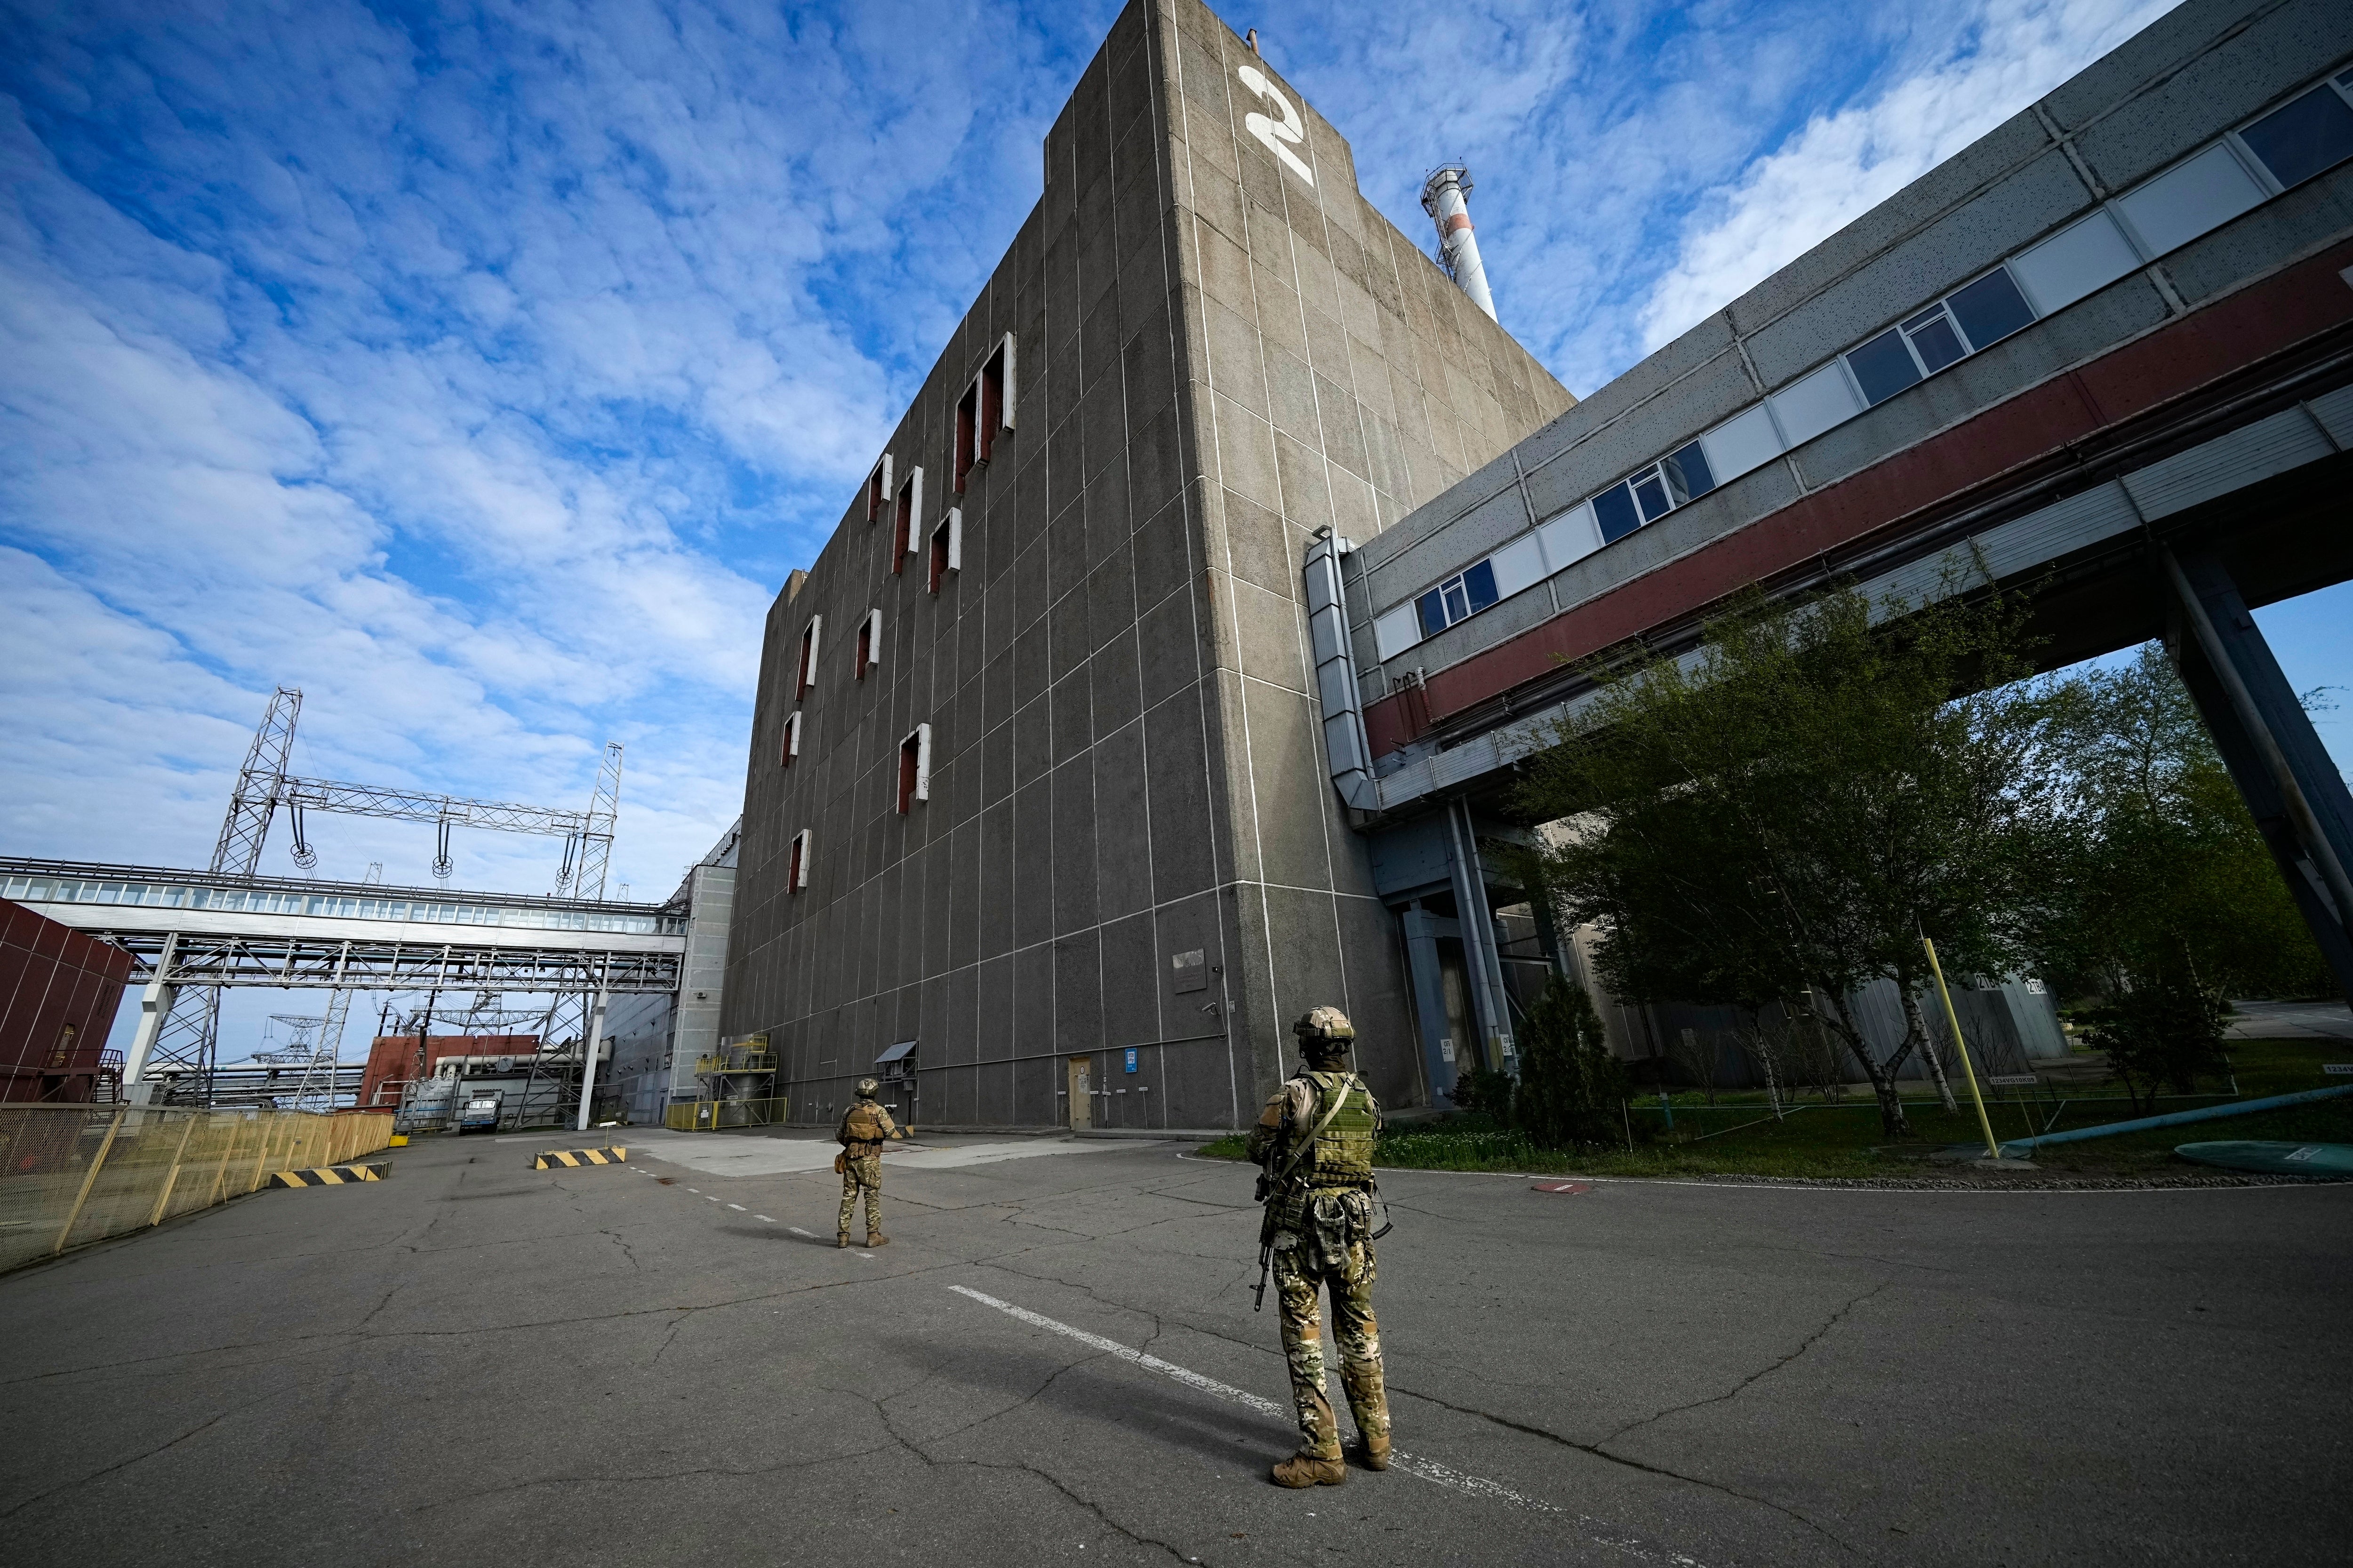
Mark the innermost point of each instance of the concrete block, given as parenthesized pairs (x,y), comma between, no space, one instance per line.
(1291,396)
(1939,256)
(1074,825)
(1286,764)
(1306,494)
(1245,453)
(1181,860)
(1168,639)
(1114,679)
(1122,822)
(1131,983)
(1447,551)
(1033,864)
(2133,123)
(1259,546)
(1267,636)
(2283,227)
(1234,366)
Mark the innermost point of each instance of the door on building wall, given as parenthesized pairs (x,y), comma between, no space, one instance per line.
(1083,1092)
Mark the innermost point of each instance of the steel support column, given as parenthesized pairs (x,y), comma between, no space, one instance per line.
(1480,957)
(155,1006)
(1429,978)
(2291,786)
(595,1040)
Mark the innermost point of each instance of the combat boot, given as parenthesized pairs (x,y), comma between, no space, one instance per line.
(1307,1471)
(876,1238)
(841,1239)
(1373,1453)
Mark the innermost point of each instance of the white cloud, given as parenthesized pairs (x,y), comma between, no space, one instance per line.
(1846,161)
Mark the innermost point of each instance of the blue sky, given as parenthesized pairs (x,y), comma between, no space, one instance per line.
(482,369)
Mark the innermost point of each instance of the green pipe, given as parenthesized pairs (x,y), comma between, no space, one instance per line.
(2173,1119)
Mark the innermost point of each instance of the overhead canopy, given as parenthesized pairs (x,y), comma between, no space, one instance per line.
(903,1049)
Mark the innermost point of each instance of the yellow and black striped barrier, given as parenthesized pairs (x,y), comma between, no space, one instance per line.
(326,1176)
(578,1157)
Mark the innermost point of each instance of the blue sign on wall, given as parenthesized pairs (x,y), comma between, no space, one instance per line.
(1130,1058)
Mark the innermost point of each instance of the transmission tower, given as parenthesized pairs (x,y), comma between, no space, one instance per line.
(186,1044)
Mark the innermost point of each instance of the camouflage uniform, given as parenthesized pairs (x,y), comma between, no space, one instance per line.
(1322,1224)
(863,1127)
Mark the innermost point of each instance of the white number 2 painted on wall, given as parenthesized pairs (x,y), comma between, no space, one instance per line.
(1282,135)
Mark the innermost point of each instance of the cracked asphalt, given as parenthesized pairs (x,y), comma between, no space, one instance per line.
(475,1363)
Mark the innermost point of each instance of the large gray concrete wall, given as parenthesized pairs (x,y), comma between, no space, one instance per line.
(1214,357)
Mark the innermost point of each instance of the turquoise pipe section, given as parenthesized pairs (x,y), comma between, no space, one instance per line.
(2176,1118)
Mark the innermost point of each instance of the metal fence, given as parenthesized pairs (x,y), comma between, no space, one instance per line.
(77,1173)
(710,1115)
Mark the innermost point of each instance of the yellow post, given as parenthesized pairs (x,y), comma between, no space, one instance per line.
(269,1119)
(172,1177)
(1993,1149)
(90,1180)
(228,1157)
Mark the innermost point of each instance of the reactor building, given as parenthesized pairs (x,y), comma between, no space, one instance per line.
(1038,822)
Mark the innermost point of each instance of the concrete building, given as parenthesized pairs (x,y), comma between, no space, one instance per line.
(1035,790)
(2106,351)
(657,1039)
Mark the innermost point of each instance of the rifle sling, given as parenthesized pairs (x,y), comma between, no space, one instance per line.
(1349,1082)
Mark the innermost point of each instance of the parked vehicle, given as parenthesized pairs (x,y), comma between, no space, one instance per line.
(482,1112)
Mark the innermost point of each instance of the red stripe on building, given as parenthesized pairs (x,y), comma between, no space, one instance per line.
(2031,427)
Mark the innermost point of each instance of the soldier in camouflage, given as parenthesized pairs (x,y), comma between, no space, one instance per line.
(865,1127)
(1315,1140)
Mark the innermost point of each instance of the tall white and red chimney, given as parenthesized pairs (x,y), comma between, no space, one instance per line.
(1457,246)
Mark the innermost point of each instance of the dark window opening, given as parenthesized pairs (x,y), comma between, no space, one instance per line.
(947,547)
(791,746)
(1688,474)
(796,868)
(1613,509)
(2310,136)
(869,645)
(878,488)
(967,435)
(1933,339)
(1990,308)
(804,675)
(1883,366)
(915,768)
(909,505)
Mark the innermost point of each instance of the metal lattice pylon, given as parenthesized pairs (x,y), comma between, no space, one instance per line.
(187,1045)
(585,877)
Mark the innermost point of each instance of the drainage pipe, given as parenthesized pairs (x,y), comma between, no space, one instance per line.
(2019,1147)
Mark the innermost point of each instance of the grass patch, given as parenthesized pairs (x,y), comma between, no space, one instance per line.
(1842,1138)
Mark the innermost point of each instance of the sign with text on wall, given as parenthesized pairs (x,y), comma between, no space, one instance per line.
(1130,1058)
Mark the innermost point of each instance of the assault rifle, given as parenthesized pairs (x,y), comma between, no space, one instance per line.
(1266,1191)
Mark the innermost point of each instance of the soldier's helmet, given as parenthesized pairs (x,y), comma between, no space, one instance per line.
(868,1088)
(1324,1027)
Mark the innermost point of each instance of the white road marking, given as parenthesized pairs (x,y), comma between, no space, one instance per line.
(799,1231)
(1426,1469)
(709,1199)
(762,1216)
(739,1208)
(696,1191)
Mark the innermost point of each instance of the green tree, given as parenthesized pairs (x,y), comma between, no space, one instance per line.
(1570,1083)
(2153,869)
(1778,818)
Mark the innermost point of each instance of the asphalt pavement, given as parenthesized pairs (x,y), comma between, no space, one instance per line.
(1056,1361)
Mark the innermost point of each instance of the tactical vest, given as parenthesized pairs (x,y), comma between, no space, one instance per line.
(864,1123)
(1343,1155)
